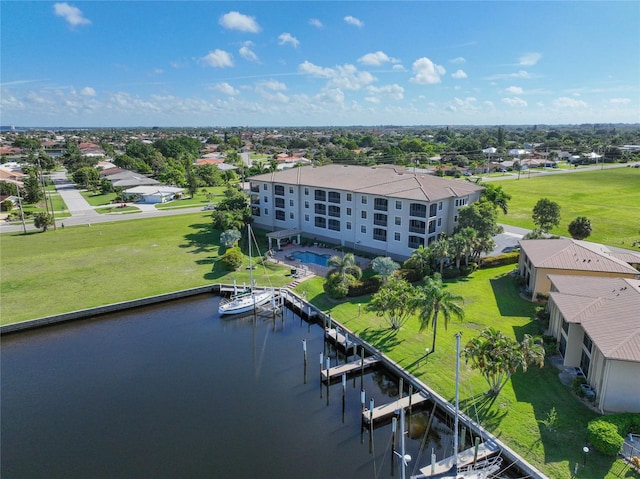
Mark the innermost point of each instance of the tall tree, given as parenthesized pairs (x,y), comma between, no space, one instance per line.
(42,220)
(546,214)
(480,216)
(433,299)
(344,265)
(498,357)
(420,260)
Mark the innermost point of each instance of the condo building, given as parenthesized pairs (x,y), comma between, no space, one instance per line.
(383,210)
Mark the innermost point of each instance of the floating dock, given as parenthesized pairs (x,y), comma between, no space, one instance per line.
(337,371)
(465,458)
(387,410)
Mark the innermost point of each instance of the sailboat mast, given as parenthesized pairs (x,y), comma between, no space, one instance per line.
(455,421)
(250,256)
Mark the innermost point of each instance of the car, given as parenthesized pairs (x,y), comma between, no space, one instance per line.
(509,249)
(209,208)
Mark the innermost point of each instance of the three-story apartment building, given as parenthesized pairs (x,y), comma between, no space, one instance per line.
(384,210)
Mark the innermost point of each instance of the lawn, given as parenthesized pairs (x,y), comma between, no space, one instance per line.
(610,198)
(491,299)
(80,267)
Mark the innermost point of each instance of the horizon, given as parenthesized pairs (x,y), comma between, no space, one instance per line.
(318,64)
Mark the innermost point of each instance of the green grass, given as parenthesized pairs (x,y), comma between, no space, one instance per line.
(118,209)
(491,299)
(79,267)
(98,199)
(610,198)
(204,196)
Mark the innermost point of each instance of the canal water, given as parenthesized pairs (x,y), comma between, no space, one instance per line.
(174,391)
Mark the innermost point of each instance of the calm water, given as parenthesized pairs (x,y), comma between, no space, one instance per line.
(173,391)
(312,258)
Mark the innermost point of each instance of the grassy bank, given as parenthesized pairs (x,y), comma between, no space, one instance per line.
(80,267)
(609,198)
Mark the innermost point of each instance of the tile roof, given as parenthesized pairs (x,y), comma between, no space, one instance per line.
(607,308)
(574,255)
(384,180)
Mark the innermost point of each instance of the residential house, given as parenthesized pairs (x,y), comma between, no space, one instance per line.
(597,325)
(154,194)
(540,258)
(384,210)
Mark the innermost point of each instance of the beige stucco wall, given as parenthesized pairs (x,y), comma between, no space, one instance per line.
(620,390)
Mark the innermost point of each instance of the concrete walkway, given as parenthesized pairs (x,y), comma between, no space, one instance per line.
(77,205)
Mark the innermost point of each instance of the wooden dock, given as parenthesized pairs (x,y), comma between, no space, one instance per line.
(340,339)
(337,371)
(387,410)
(465,458)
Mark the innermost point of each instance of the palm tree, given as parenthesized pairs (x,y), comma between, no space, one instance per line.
(344,265)
(420,260)
(459,246)
(440,249)
(498,357)
(496,196)
(435,299)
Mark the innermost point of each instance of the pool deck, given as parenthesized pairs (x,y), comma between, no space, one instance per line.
(284,256)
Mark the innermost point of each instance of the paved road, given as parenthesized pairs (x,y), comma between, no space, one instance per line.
(82,213)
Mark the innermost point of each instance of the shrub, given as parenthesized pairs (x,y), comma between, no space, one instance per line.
(410,275)
(232,259)
(466,270)
(365,286)
(520,281)
(575,385)
(500,260)
(450,273)
(338,287)
(604,437)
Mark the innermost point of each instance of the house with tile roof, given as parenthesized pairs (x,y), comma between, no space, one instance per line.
(543,257)
(596,321)
(384,210)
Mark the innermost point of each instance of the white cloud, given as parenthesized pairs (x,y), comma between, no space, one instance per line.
(345,77)
(376,59)
(248,54)
(459,74)
(566,102)
(620,101)
(72,15)
(469,104)
(529,59)
(272,85)
(515,101)
(508,76)
(395,91)
(314,22)
(218,59)
(224,87)
(333,96)
(240,22)
(457,60)
(514,90)
(286,38)
(354,21)
(426,72)
(88,91)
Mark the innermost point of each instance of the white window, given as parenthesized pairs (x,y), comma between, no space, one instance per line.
(306,218)
(363,229)
(396,236)
(398,220)
(398,204)
(364,200)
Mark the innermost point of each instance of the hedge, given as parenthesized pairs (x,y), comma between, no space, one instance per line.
(500,260)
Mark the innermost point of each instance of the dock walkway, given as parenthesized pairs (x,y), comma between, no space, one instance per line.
(340,339)
(350,367)
(386,410)
(465,458)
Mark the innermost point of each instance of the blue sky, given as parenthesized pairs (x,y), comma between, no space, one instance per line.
(308,63)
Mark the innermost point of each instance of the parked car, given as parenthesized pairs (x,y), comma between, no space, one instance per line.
(209,208)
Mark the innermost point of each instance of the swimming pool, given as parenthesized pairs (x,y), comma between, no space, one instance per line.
(311,257)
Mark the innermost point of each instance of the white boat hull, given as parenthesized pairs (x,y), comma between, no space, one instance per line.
(245,303)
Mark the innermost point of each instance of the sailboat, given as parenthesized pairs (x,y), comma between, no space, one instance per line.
(481,469)
(247,300)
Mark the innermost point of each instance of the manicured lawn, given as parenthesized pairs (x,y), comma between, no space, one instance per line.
(80,267)
(118,209)
(98,199)
(491,299)
(610,198)
(204,196)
